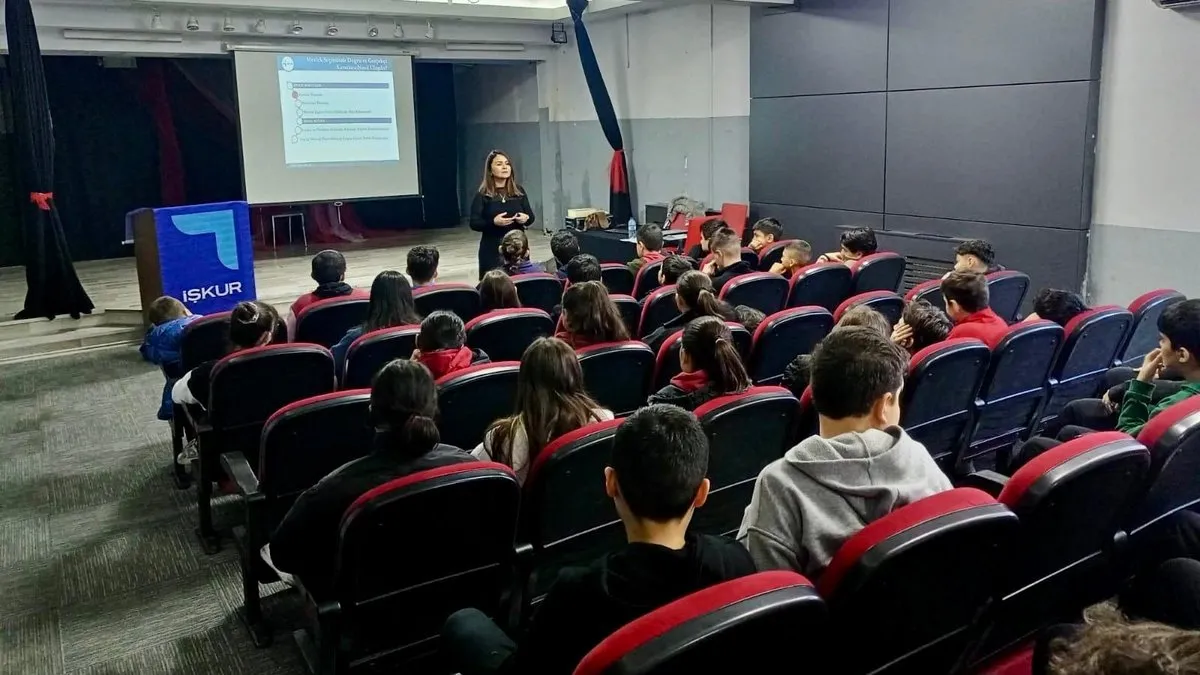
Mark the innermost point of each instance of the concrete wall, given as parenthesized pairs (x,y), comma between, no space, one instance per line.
(1147,204)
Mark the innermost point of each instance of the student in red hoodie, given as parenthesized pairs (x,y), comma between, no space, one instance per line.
(649,246)
(590,317)
(441,345)
(329,271)
(710,363)
(966,296)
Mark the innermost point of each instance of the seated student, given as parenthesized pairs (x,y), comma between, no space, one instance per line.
(497,291)
(694,297)
(329,271)
(707,229)
(749,317)
(423,265)
(551,400)
(975,255)
(767,231)
(649,246)
(673,267)
(1112,642)
(161,346)
(796,375)
(391,305)
(860,467)
(403,410)
(657,480)
(441,345)
(1051,304)
(966,297)
(795,256)
(710,363)
(726,263)
(514,254)
(920,326)
(583,267)
(564,245)
(856,244)
(589,316)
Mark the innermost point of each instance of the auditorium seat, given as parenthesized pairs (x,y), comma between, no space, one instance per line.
(247,387)
(929,291)
(759,621)
(887,303)
(207,339)
(915,581)
(1173,437)
(783,336)
(617,278)
(746,432)
(1093,340)
(667,360)
(503,334)
(1013,390)
(658,308)
(301,443)
(462,299)
(539,290)
(821,284)
(470,399)
(1143,336)
(617,374)
(808,423)
(372,351)
(646,279)
(883,271)
(763,291)
(401,572)
(1072,501)
(773,253)
(1006,292)
(736,216)
(630,309)
(325,322)
(693,231)
(750,257)
(939,397)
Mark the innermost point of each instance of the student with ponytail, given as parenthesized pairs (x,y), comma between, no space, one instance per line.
(589,316)
(403,410)
(695,297)
(710,363)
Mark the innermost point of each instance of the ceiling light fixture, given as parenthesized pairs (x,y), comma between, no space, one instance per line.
(295,28)
(397,30)
(429,29)
(156,20)
(331,30)
(558,33)
(372,29)
(228,26)
(193,24)
(260,26)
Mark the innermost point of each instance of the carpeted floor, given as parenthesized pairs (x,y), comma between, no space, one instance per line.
(100,572)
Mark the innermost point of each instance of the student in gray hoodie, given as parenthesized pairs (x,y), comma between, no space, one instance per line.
(859,468)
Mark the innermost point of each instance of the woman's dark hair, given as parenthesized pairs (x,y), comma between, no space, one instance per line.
(497,291)
(441,330)
(1058,306)
(695,289)
(675,266)
(514,248)
(860,240)
(709,343)
(488,186)
(249,322)
(391,303)
(551,400)
(404,402)
(588,311)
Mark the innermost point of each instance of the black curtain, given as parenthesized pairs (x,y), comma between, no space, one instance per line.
(53,286)
(620,206)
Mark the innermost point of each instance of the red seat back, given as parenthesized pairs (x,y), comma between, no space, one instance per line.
(617,278)
(646,279)
(1093,340)
(631,311)
(783,336)
(471,399)
(887,303)
(658,308)
(736,216)
(883,271)
(763,291)
(822,285)
(929,291)
(372,351)
(539,290)
(325,322)
(1006,293)
(461,299)
(618,374)
(504,334)
(939,396)
(207,339)
(1173,437)
(1143,335)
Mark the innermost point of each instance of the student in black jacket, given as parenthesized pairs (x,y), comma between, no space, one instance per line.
(707,229)
(727,263)
(694,297)
(403,408)
(500,206)
(711,366)
(657,480)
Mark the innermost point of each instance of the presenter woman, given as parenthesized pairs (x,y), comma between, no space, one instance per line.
(500,206)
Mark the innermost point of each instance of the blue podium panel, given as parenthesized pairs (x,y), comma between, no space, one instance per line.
(206,257)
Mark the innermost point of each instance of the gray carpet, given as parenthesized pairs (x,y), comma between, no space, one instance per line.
(100,572)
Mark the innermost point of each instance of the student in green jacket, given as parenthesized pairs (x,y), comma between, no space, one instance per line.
(1179,350)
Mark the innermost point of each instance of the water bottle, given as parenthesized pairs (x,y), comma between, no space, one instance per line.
(632,228)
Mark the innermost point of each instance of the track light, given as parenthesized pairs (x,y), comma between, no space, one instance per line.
(295,28)
(331,30)
(228,26)
(372,29)
(397,30)
(260,26)
(428,29)
(192,24)
(156,20)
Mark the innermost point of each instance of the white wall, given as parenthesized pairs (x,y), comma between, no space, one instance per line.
(1146,231)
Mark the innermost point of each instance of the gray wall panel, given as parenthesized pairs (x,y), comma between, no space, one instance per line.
(935,43)
(820,227)
(1002,154)
(826,47)
(1121,253)
(823,151)
(522,140)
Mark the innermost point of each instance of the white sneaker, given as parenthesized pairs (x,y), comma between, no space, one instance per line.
(191,452)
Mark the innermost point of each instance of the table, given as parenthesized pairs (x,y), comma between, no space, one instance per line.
(610,245)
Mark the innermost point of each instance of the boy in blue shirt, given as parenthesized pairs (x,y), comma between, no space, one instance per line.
(161,345)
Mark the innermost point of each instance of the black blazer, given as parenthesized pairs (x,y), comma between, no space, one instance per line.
(484,210)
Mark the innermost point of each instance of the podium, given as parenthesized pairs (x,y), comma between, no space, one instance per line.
(201,255)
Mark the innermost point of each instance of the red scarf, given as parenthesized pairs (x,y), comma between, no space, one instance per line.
(446,361)
(690,382)
(576,341)
(652,256)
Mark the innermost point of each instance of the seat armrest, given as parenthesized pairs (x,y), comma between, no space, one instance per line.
(238,468)
(987,480)
(198,417)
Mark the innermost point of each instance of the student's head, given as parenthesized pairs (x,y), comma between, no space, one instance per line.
(708,345)
(658,469)
(673,266)
(328,267)
(726,247)
(514,248)
(863,315)
(796,375)
(858,242)
(965,293)
(252,324)
(583,267)
(1108,643)
(441,330)
(749,317)
(649,238)
(564,245)
(1179,337)
(404,403)
(797,254)
(423,263)
(857,375)
(1058,306)
(766,232)
(391,302)
(694,293)
(588,312)
(707,229)
(165,309)
(497,291)
(974,255)
(499,176)
(929,324)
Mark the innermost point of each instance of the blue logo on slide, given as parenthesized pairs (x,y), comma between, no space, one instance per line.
(220,224)
(205,255)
